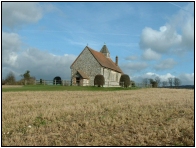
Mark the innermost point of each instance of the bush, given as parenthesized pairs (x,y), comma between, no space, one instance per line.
(30,81)
(40,81)
(132,83)
(20,82)
(3,82)
(10,79)
(58,80)
(153,83)
(99,80)
(125,80)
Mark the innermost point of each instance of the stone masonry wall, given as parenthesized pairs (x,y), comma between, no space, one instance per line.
(111,76)
(88,64)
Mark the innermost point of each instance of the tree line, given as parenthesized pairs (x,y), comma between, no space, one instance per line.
(11,80)
(156,82)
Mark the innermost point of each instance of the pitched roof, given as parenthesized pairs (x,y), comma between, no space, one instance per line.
(104,49)
(101,59)
(104,61)
(83,75)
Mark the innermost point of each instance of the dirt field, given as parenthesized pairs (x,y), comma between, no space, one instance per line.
(9,86)
(145,117)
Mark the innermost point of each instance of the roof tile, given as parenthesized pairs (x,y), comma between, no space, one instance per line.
(104,61)
(83,75)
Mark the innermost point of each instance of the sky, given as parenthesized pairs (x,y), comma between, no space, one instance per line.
(150,38)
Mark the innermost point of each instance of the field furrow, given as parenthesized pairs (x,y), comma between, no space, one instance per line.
(143,117)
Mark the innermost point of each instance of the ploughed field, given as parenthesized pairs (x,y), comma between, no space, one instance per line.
(143,117)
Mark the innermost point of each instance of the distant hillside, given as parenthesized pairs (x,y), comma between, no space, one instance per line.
(187,86)
(182,87)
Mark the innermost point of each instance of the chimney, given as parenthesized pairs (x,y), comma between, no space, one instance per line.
(116,60)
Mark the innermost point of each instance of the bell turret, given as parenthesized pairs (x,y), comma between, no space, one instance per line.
(105,51)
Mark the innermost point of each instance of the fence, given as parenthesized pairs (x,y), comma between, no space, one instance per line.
(107,84)
(68,83)
(51,82)
(112,84)
(142,85)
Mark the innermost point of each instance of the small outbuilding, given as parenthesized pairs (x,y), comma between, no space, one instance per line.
(80,78)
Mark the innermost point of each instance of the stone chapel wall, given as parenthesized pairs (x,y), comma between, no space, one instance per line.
(88,64)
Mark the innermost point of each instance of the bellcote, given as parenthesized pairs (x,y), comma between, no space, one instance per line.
(105,51)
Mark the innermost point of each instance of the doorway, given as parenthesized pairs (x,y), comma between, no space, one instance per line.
(78,81)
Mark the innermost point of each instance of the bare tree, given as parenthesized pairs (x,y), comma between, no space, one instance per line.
(164,83)
(27,78)
(153,83)
(176,82)
(157,80)
(170,81)
(27,75)
(10,78)
(145,81)
(3,81)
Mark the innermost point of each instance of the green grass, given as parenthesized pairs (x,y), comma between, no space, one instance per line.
(65,88)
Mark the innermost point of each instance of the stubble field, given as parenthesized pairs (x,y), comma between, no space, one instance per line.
(144,117)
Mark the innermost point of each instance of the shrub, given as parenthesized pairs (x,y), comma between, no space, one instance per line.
(30,81)
(99,80)
(153,83)
(40,81)
(132,83)
(125,80)
(20,82)
(10,79)
(57,79)
(3,82)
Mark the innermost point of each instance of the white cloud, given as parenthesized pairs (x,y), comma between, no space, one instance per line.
(131,58)
(11,59)
(186,79)
(177,35)
(149,54)
(134,66)
(159,41)
(44,65)
(163,28)
(11,44)
(41,64)
(165,64)
(188,34)
(19,13)
(162,77)
(151,75)
(184,21)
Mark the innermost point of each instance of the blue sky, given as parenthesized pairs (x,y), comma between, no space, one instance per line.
(150,38)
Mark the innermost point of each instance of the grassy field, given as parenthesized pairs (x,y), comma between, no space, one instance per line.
(142,117)
(7,88)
